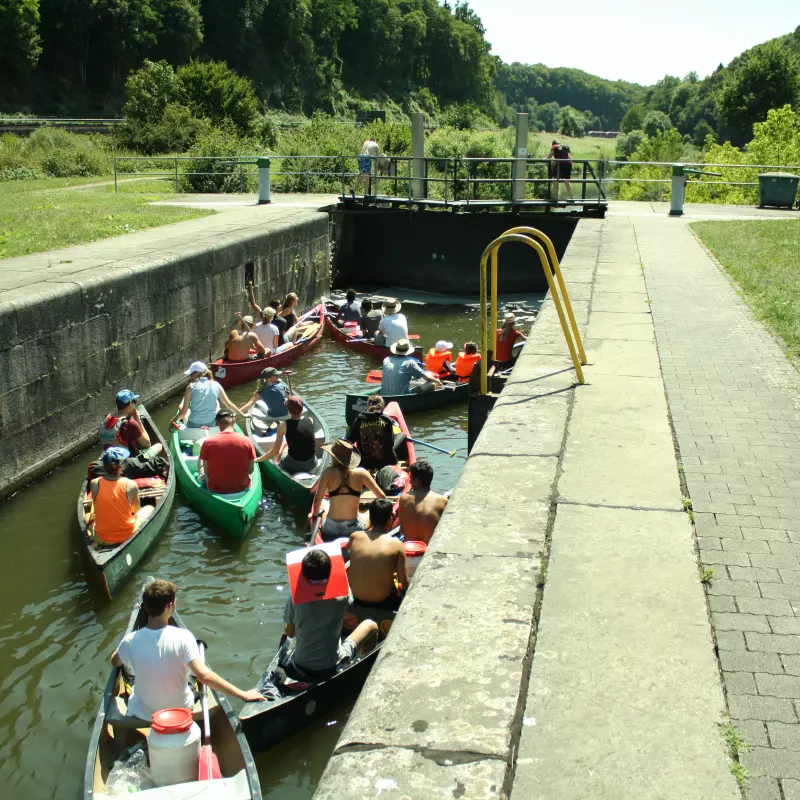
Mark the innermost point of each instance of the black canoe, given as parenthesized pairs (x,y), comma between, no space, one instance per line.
(295,703)
(452,394)
(115,565)
(227,740)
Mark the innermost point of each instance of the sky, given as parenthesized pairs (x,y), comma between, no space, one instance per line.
(633,40)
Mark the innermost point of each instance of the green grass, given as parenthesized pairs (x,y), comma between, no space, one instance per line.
(583,147)
(762,257)
(36,217)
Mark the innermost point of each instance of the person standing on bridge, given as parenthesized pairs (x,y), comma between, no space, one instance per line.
(561,166)
(370,150)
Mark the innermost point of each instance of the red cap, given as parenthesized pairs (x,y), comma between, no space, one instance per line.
(294,404)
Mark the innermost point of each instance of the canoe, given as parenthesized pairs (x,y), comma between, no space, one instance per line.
(234,513)
(292,704)
(300,487)
(115,564)
(356,402)
(232,373)
(227,740)
(354,342)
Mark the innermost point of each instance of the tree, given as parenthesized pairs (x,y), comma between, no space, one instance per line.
(765,77)
(20,45)
(571,122)
(701,131)
(180,29)
(149,90)
(633,119)
(210,89)
(656,122)
(628,143)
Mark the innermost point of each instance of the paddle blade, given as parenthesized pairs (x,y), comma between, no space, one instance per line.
(208,766)
(375,376)
(412,337)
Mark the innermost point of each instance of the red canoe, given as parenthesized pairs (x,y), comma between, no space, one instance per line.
(232,373)
(392,410)
(352,337)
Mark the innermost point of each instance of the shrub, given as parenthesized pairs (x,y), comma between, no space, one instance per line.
(217,176)
(176,131)
(628,143)
(465,116)
(20,174)
(656,122)
(149,91)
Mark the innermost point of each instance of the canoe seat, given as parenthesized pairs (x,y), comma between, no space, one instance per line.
(116,715)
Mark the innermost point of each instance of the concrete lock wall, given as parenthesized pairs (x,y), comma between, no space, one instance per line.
(428,250)
(67,348)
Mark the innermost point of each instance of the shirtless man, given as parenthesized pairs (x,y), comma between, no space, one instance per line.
(375,559)
(241,340)
(421,509)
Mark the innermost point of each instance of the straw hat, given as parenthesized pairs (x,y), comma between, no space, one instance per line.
(391,306)
(402,347)
(344,452)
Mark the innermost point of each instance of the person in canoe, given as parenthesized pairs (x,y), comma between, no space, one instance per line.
(241,340)
(350,311)
(507,337)
(439,360)
(201,402)
(370,319)
(375,561)
(299,435)
(272,392)
(116,512)
(226,458)
(262,328)
(125,427)
(421,509)
(374,435)
(403,374)
(316,627)
(466,362)
(394,325)
(287,310)
(343,482)
(161,655)
(269,334)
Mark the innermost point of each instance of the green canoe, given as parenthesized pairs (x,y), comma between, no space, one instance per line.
(300,487)
(409,403)
(234,513)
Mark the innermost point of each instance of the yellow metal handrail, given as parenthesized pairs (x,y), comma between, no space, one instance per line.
(550,266)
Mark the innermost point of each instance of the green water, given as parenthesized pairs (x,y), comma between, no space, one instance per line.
(57,630)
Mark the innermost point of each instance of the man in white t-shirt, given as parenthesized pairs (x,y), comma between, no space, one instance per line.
(268,333)
(394,325)
(161,655)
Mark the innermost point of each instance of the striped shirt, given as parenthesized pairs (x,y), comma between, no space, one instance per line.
(398,372)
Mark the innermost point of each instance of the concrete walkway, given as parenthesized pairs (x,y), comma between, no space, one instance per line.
(735,405)
(595,677)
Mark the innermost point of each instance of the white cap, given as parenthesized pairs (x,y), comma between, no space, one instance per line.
(510,316)
(442,345)
(196,366)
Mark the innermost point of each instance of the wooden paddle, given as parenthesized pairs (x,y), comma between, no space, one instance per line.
(376,376)
(208,765)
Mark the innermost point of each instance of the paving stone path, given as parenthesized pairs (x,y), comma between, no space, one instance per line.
(735,405)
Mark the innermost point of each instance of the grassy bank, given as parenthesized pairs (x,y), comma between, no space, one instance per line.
(39,215)
(762,258)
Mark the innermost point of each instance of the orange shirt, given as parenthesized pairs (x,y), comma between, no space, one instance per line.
(115,521)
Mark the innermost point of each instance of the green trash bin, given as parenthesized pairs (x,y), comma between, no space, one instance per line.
(777,189)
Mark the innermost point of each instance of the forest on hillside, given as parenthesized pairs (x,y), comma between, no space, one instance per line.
(339,57)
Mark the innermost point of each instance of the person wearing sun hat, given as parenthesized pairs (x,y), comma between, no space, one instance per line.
(439,360)
(200,403)
(343,482)
(403,374)
(507,337)
(116,514)
(394,325)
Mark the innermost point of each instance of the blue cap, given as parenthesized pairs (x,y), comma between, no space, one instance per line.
(114,456)
(126,396)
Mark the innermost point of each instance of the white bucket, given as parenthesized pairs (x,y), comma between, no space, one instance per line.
(174,753)
(415,551)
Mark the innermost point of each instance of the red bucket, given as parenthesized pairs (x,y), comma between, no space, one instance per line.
(415,549)
(172,720)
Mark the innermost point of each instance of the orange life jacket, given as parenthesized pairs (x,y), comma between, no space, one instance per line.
(115,521)
(465,364)
(434,362)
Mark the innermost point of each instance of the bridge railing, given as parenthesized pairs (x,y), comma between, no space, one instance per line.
(447,180)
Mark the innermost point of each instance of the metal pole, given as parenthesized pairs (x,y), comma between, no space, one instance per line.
(520,166)
(494,300)
(484,336)
(418,155)
(446,178)
(115,173)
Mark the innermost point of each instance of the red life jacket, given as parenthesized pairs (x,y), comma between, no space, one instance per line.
(109,431)
(434,362)
(465,364)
